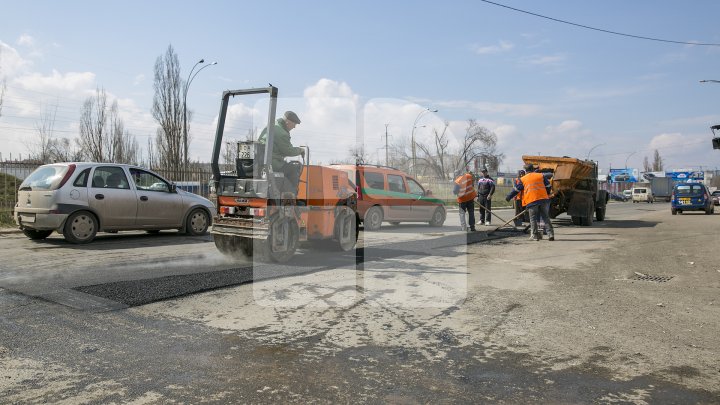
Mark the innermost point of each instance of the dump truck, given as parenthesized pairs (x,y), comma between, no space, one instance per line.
(575,188)
(260,214)
(662,188)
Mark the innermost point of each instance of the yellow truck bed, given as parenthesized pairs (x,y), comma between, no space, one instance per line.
(567,172)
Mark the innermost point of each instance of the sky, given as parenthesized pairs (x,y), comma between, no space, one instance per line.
(352,70)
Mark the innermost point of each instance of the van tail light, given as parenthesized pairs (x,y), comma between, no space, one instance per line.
(71,169)
(358,189)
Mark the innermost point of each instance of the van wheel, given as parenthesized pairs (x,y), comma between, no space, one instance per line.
(80,227)
(438,217)
(373,218)
(36,235)
(197,222)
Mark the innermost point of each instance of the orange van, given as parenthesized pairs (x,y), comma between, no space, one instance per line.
(386,194)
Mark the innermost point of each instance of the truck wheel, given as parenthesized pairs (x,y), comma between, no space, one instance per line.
(588,219)
(438,217)
(36,235)
(80,227)
(373,218)
(576,220)
(600,213)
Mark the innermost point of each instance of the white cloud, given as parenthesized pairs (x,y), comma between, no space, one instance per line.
(139,79)
(11,63)
(26,40)
(502,46)
(71,83)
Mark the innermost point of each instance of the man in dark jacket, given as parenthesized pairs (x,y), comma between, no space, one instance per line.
(486,189)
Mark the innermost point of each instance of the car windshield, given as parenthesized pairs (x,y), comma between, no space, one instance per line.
(689,189)
(45,178)
(717,192)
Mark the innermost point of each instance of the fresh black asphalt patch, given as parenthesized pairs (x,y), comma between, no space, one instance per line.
(145,291)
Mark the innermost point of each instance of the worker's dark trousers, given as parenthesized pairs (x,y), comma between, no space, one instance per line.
(292,175)
(540,211)
(484,201)
(518,209)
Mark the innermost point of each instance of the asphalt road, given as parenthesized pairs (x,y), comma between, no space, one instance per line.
(418,315)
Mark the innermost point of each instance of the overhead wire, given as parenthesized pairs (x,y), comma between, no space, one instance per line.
(600,29)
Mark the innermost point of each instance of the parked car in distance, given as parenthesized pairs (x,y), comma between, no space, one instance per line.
(691,197)
(627,193)
(642,194)
(386,194)
(716,197)
(81,199)
(618,197)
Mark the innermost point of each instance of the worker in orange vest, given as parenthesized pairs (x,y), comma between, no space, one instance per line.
(465,190)
(536,199)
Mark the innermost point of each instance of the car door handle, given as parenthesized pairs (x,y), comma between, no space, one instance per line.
(143,198)
(99,196)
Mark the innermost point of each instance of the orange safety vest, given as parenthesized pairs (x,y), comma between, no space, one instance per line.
(533,188)
(467,191)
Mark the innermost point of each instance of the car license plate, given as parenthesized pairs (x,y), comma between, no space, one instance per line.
(27,219)
(685,201)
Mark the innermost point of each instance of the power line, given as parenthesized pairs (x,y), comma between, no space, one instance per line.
(600,29)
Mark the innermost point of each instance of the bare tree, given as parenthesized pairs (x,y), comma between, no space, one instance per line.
(94,140)
(434,158)
(646,164)
(123,146)
(42,151)
(167,110)
(657,164)
(479,142)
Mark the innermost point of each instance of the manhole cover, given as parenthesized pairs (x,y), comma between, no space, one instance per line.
(651,277)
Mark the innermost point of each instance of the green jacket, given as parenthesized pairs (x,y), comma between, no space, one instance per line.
(281,144)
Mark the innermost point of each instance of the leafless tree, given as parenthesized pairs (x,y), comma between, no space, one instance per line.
(657,164)
(167,109)
(478,143)
(646,164)
(435,158)
(42,151)
(94,140)
(123,146)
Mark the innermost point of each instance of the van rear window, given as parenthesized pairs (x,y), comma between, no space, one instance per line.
(689,189)
(640,191)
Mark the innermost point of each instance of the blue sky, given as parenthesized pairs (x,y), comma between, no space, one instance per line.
(350,68)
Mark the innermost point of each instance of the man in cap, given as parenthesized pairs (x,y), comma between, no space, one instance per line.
(282,147)
(485,190)
(535,197)
(465,191)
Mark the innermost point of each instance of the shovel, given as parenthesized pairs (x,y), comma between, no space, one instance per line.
(490,211)
(512,219)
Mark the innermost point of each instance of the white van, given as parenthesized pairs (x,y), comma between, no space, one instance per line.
(642,194)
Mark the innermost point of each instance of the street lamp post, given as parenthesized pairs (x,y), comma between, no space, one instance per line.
(591,149)
(626,159)
(191,77)
(412,136)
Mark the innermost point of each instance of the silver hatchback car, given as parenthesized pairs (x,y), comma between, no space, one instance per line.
(81,199)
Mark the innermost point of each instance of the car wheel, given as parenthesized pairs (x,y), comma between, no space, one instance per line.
(394,223)
(36,235)
(80,227)
(673,211)
(197,222)
(438,217)
(373,219)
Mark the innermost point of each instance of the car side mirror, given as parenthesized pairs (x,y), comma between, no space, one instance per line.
(173,188)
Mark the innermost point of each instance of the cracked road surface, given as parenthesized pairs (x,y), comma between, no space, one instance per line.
(421,317)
